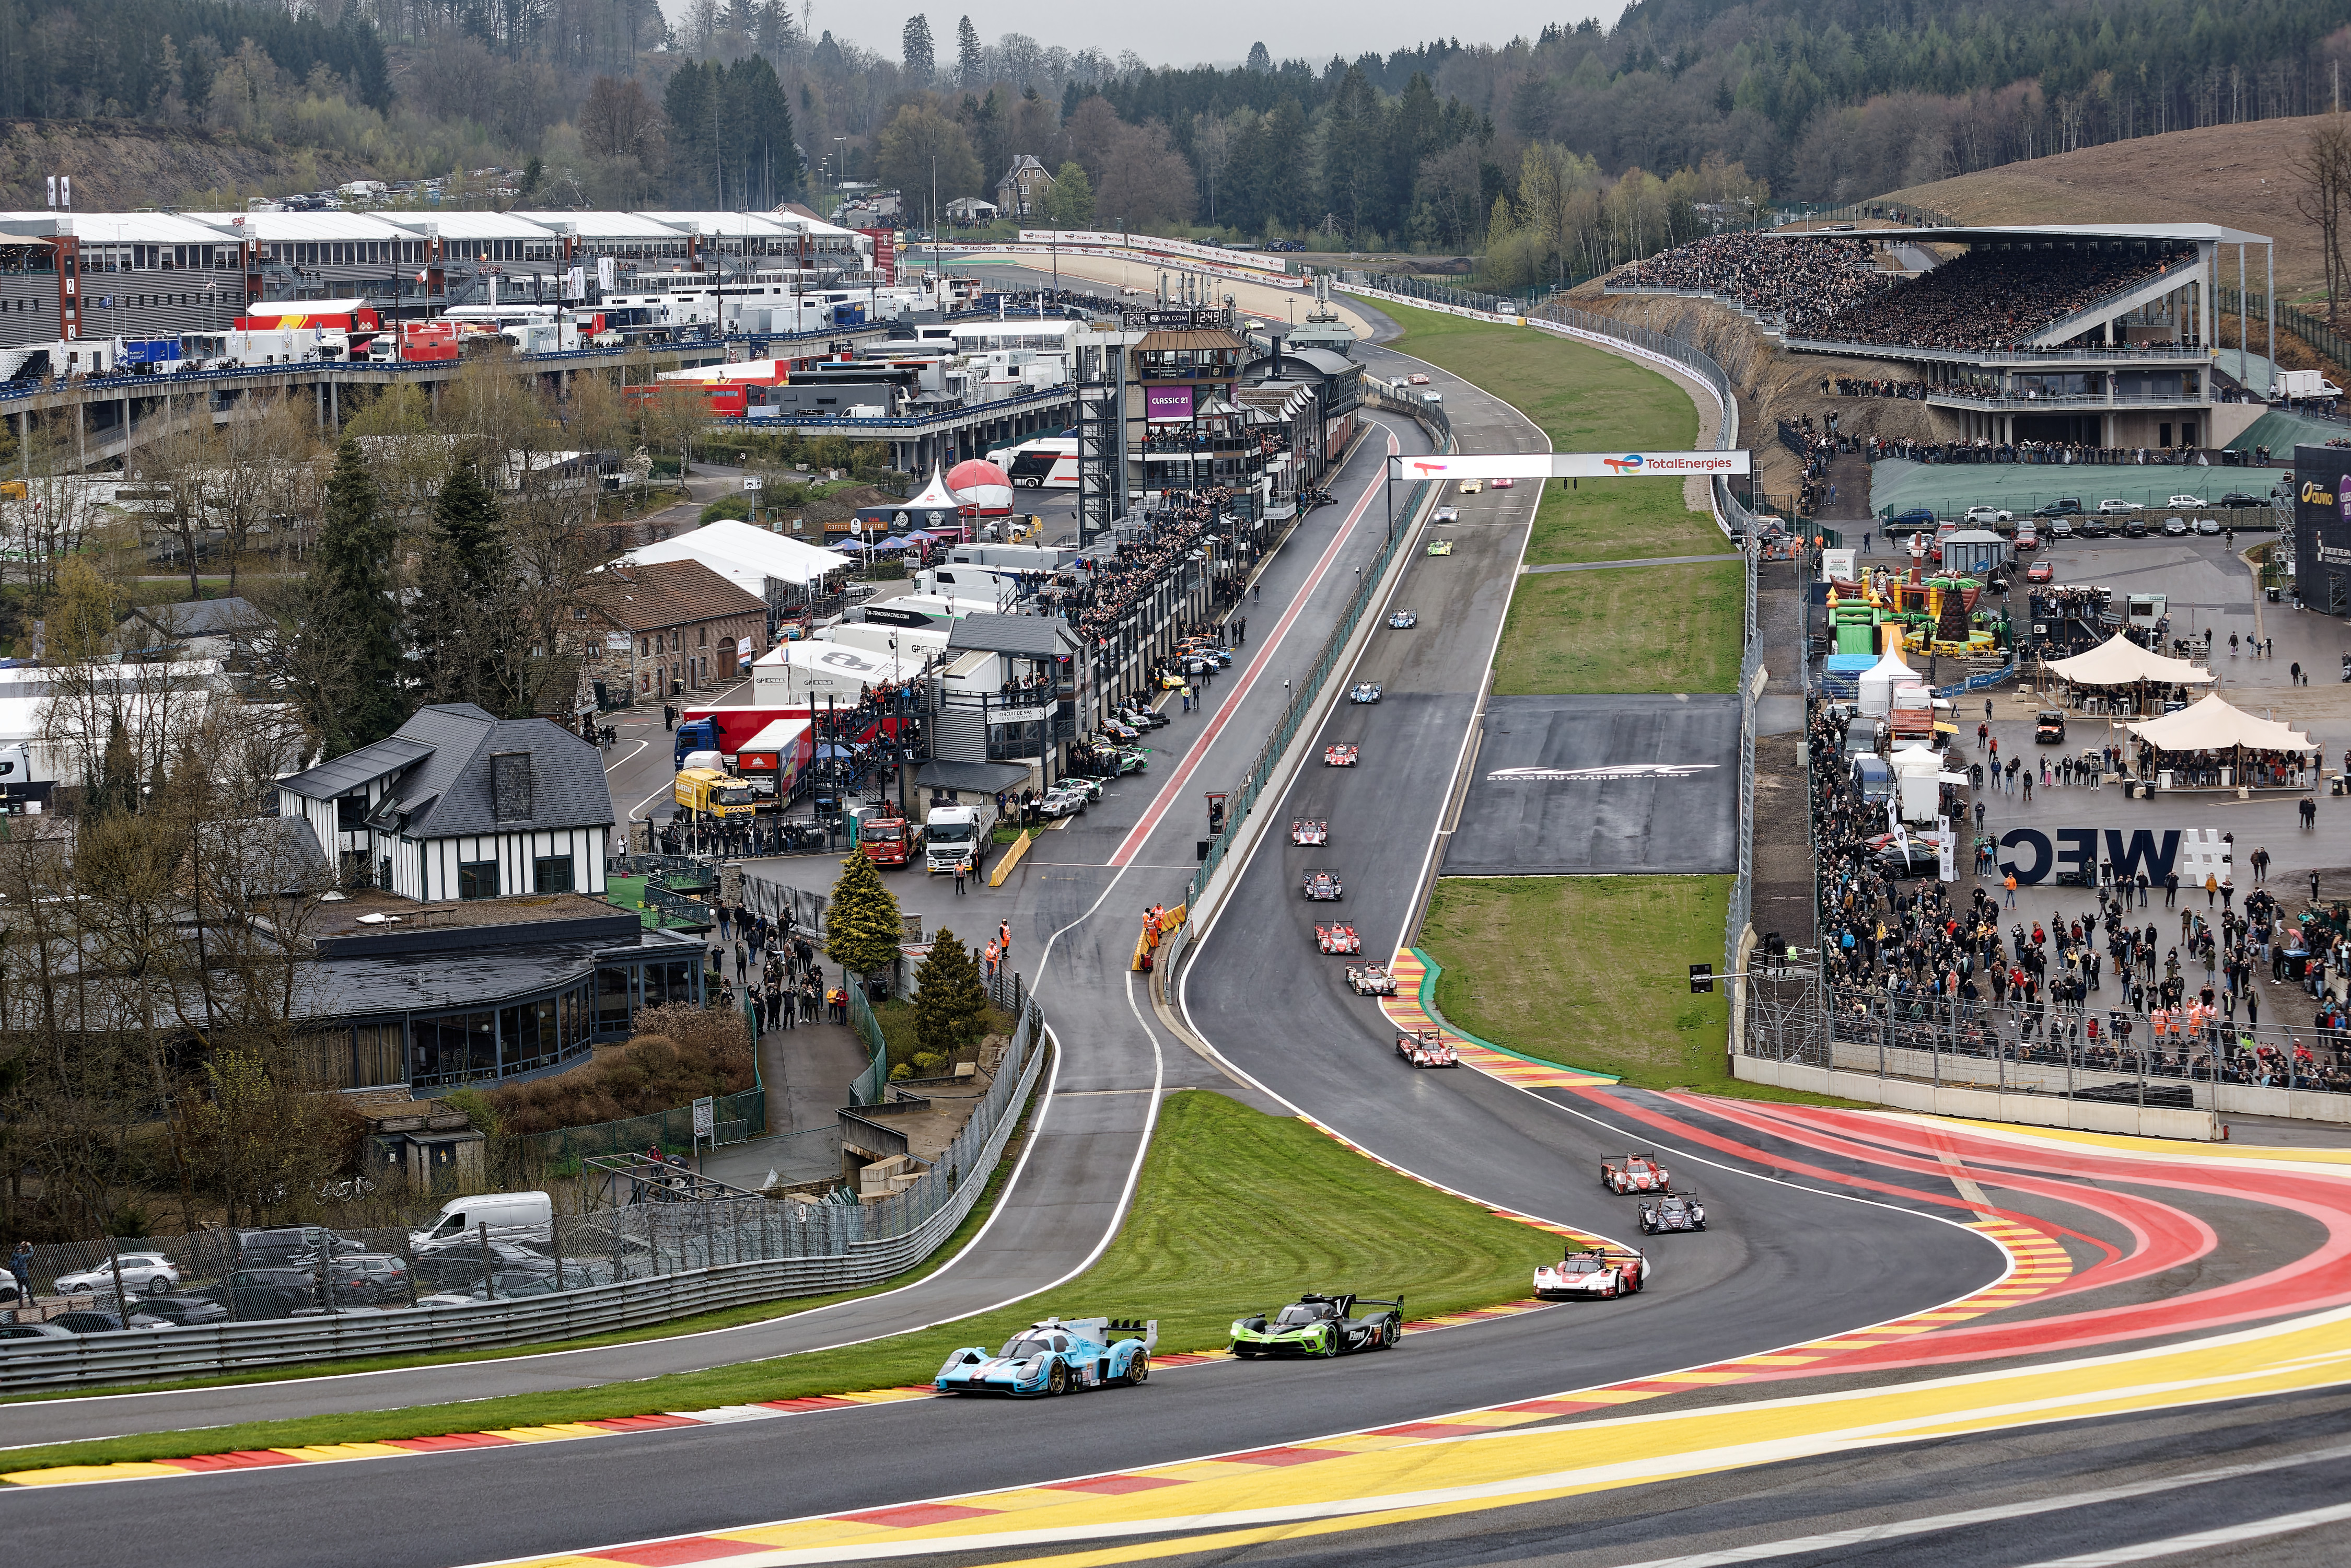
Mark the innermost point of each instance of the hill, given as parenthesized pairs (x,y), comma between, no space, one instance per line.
(2240,175)
(121,165)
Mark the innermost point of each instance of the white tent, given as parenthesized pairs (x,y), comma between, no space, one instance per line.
(743,555)
(1878,683)
(2119,662)
(2213,724)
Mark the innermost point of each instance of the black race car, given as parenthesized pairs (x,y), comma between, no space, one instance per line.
(1321,1325)
(1671,1211)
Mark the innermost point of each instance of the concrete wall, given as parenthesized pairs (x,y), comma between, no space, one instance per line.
(1853,1058)
(1981,1104)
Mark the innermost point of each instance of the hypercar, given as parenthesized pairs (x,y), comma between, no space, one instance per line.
(1671,1211)
(1309,831)
(1445,514)
(1055,1358)
(1338,936)
(1441,547)
(1502,484)
(1324,886)
(1340,756)
(1403,620)
(1634,1173)
(1470,486)
(1365,692)
(1426,1048)
(1321,1325)
(1589,1271)
(1371,980)
(1418,379)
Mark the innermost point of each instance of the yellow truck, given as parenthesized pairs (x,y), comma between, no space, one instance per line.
(705,792)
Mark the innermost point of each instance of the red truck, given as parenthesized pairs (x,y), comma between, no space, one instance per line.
(774,760)
(726,728)
(885,837)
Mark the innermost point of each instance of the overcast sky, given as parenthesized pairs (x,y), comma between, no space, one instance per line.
(1204,31)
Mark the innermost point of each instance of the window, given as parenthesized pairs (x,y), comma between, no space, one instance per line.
(611,999)
(477,879)
(550,874)
(351,814)
(703,640)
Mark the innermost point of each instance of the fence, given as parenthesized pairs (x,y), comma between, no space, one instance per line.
(873,1084)
(620,1269)
(2292,319)
(670,1130)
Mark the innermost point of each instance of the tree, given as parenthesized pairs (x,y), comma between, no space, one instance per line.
(971,61)
(471,528)
(950,1004)
(919,139)
(354,575)
(620,120)
(2324,172)
(1259,59)
(914,50)
(863,929)
(1070,205)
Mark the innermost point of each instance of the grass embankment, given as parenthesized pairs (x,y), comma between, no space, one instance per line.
(1215,1229)
(1648,629)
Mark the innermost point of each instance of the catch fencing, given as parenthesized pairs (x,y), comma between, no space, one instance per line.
(620,1269)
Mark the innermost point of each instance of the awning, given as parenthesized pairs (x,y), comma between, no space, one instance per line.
(2119,662)
(971,777)
(2213,724)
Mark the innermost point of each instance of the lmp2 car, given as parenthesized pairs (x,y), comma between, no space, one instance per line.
(1309,831)
(1363,692)
(1589,1271)
(1338,754)
(1671,1211)
(1404,620)
(1441,547)
(1337,938)
(1324,886)
(1055,1358)
(1321,1325)
(1634,1173)
(1370,980)
(1426,1048)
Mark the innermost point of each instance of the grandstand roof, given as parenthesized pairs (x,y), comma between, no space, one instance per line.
(1994,234)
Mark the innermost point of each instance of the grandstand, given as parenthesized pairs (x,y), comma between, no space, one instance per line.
(2098,335)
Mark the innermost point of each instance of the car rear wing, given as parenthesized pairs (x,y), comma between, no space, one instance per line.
(1375,1301)
(1125,1328)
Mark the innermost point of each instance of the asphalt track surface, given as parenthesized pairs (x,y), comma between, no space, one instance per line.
(1818,1226)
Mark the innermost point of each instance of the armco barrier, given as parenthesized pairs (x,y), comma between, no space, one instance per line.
(879,1240)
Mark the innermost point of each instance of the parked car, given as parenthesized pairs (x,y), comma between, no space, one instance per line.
(1875,778)
(147,1273)
(2063,506)
(2192,503)
(34,1330)
(90,1320)
(287,1244)
(2135,528)
(2237,500)
(2117,507)
(1916,520)
(2049,727)
(2208,527)
(2041,571)
(460,1263)
(249,1293)
(2094,527)
(177,1311)
(2061,528)
(1910,858)
(1989,517)
(2027,536)
(2175,527)
(367,1278)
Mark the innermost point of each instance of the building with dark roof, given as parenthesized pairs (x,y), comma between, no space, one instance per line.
(672,626)
(1021,193)
(460,804)
(204,628)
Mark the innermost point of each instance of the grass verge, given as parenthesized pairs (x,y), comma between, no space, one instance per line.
(1634,628)
(1591,972)
(1215,1229)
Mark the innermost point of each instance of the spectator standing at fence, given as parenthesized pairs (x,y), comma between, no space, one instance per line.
(20,1265)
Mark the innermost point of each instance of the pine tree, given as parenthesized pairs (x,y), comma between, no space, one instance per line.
(971,65)
(1259,59)
(470,527)
(863,929)
(353,573)
(915,48)
(950,1004)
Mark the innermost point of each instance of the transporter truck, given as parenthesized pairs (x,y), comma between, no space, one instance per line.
(954,835)
(705,793)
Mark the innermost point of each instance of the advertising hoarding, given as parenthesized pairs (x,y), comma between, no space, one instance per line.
(1167,405)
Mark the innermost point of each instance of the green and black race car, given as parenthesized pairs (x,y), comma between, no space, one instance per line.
(1321,1325)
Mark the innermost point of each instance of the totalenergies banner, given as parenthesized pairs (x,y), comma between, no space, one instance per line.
(1114,240)
(1578,465)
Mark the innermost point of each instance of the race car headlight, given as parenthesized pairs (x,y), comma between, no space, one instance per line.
(953,1362)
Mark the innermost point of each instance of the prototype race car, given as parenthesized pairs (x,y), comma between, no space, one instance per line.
(1321,1325)
(1403,620)
(1634,1173)
(1365,692)
(1589,1271)
(1671,1211)
(1441,547)
(1371,980)
(1324,886)
(1471,487)
(1340,756)
(1055,1358)
(1309,831)
(1338,937)
(1503,483)
(1426,1048)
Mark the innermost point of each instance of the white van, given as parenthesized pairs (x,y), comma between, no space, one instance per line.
(511,1217)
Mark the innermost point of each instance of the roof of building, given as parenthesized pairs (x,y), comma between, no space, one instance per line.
(979,777)
(443,760)
(1023,636)
(1021,165)
(272,228)
(202,618)
(639,596)
(610,226)
(1188,338)
(2006,233)
(745,554)
(459,223)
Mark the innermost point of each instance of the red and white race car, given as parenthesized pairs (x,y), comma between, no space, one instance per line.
(1309,831)
(1426,1048)
(1338,937)
(1589,1272)
(1634,1173)
(1371,980)
(1342,755)
(1324,886)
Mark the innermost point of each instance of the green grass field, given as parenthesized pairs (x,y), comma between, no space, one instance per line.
(1237,1210)
(1586,401)
(1635,629)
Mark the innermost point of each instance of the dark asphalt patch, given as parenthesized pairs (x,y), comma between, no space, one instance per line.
(1568,786)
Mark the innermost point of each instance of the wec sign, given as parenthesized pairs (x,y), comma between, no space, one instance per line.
(2070,854)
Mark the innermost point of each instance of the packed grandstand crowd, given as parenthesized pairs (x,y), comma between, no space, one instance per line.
(1105,588)
(1797,282)
(1984,301)
(2132,988)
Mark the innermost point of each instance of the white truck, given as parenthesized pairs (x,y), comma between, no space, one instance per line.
(2293,384)
(955,835)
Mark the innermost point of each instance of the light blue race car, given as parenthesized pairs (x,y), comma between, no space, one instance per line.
(1056,1357)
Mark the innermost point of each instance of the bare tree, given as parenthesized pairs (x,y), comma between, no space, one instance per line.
(2323,173)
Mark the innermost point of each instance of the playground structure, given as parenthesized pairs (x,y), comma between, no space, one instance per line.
(1938,615)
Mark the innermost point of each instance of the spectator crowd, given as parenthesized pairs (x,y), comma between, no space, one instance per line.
(1794,282)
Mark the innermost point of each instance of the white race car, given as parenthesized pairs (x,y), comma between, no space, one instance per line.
(1426,1048)
(1588,1272)
(1634,1173)
(1371,980)
(1309,831)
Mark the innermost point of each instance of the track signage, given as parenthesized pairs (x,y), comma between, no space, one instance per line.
(1577,465)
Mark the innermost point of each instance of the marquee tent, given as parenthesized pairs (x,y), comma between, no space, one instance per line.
(742,553)
(2213,724)
(2119,662)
